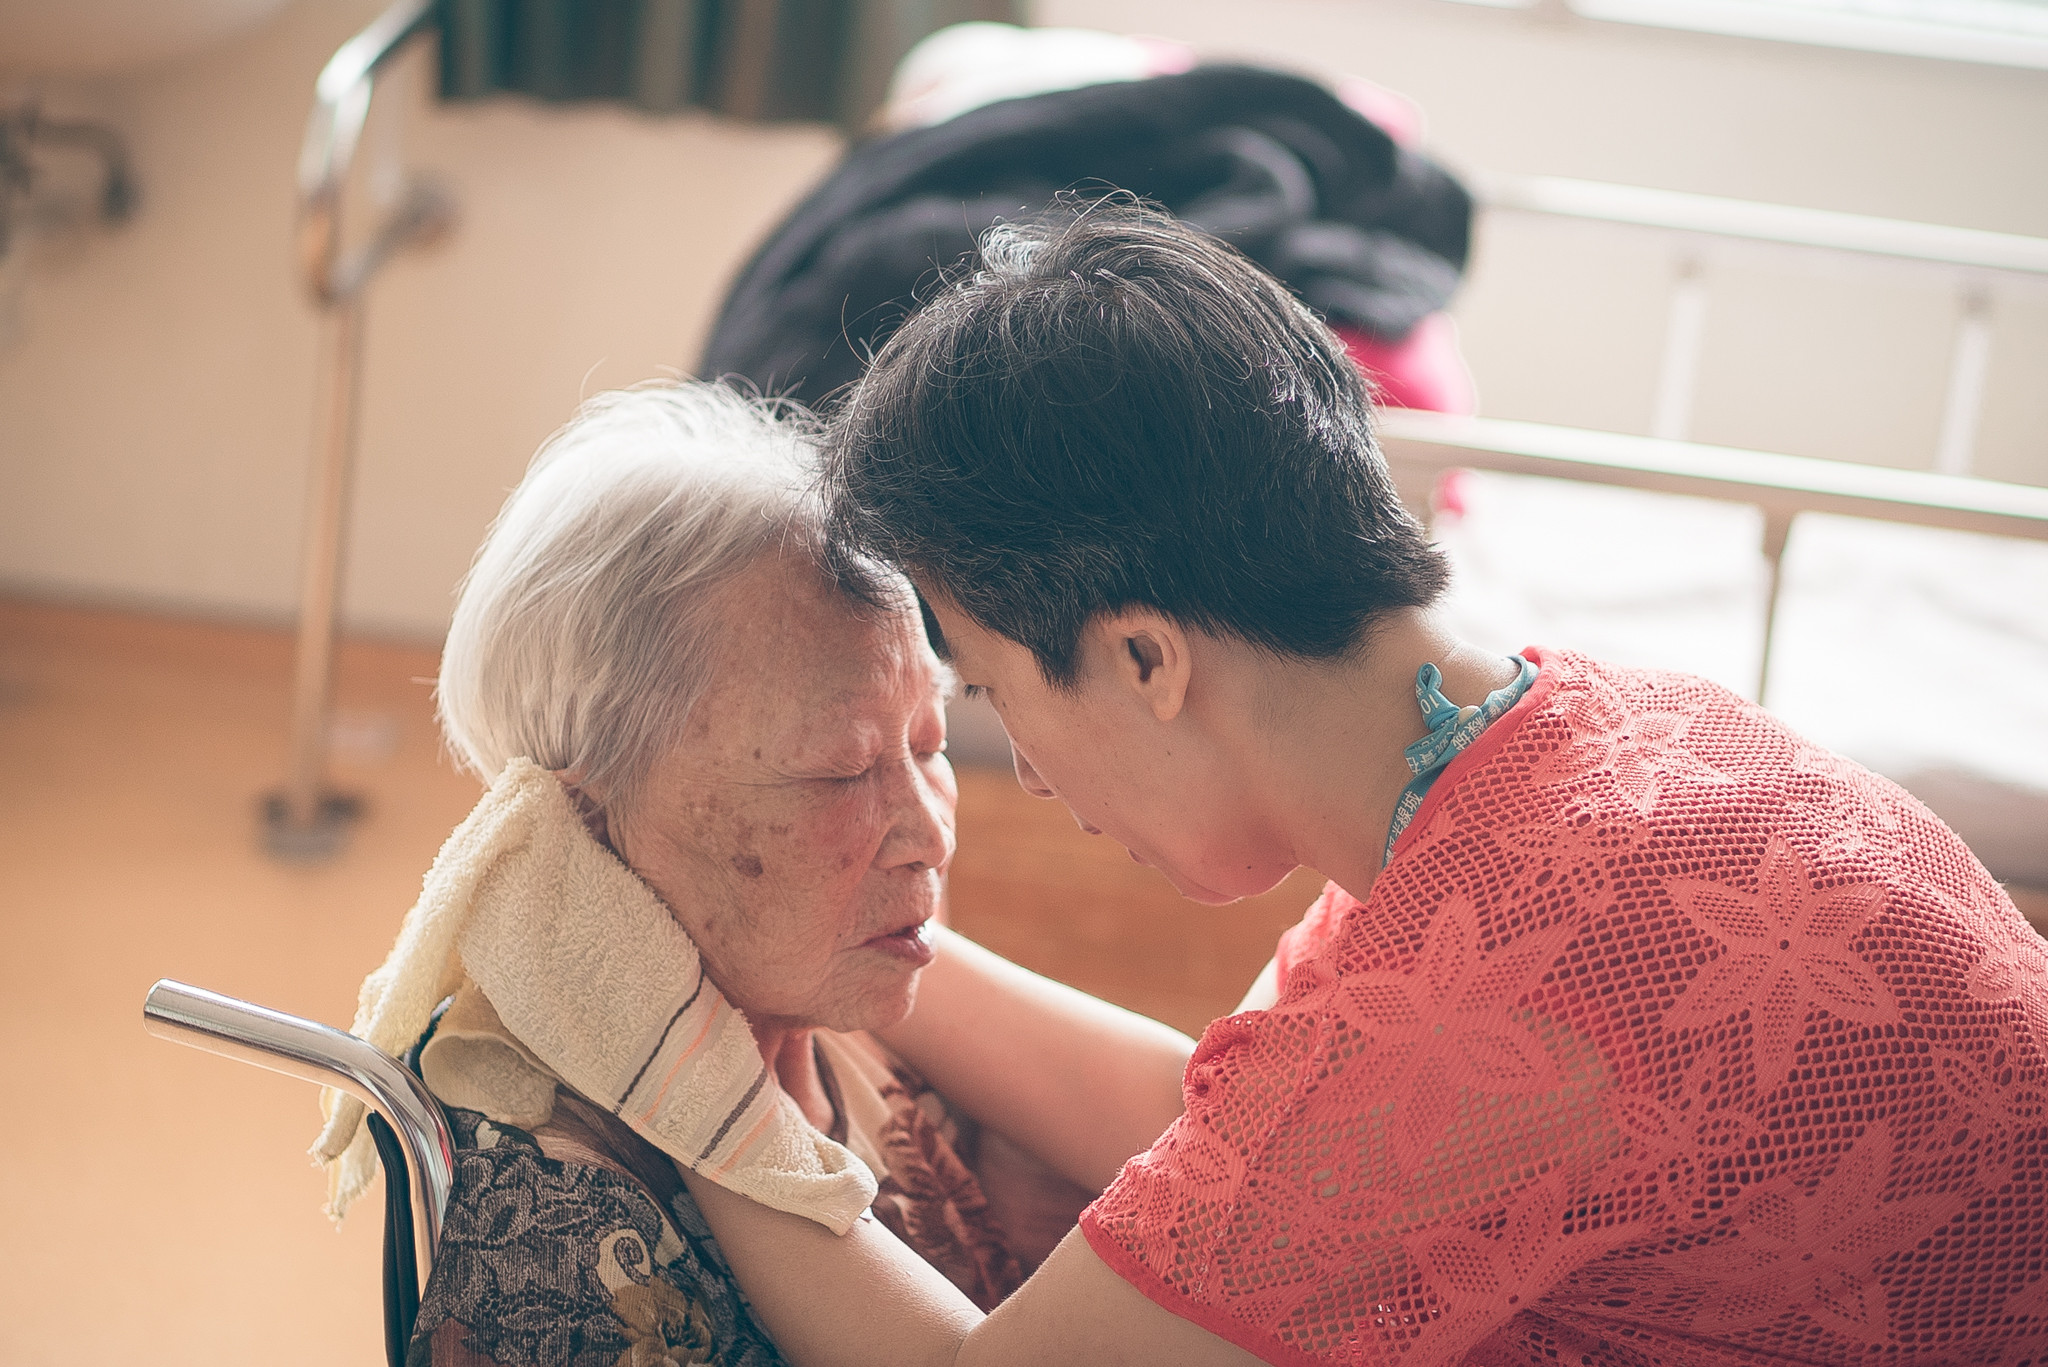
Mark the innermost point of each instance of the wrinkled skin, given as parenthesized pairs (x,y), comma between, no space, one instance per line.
(806,810)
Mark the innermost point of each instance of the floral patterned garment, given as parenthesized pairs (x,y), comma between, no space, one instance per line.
(577,1245)
(560,1248)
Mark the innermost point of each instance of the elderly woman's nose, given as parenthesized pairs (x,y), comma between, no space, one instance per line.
(920,820)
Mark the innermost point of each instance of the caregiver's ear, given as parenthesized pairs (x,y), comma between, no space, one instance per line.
(1148,651)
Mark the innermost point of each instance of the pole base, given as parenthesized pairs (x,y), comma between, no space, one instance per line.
(307,843)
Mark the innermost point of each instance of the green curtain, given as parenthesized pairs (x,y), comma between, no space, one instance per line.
(753,59)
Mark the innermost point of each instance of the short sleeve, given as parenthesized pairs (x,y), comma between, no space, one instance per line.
(1379,1167)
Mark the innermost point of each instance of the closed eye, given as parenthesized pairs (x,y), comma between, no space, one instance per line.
(974,690)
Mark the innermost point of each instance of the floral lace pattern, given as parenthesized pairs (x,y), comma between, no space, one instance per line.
(1664,1038)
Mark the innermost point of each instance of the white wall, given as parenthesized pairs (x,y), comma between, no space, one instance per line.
(155,406)
(156,403)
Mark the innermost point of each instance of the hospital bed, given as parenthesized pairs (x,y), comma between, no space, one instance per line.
(1897,616)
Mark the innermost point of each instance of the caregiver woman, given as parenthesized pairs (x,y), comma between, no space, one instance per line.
(1631,1028)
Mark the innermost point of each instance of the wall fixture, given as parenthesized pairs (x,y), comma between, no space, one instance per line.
(33,147)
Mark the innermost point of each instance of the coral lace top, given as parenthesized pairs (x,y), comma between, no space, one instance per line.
(1665,1037)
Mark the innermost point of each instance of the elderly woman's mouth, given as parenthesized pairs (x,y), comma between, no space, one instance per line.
(913,943)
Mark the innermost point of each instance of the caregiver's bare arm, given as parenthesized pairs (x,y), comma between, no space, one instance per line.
(865,1300)
(1264,991)
(1079,1083)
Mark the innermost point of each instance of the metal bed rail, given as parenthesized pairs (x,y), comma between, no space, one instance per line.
(328,1057)
(1420,446)
(1978,263)
(1784,224)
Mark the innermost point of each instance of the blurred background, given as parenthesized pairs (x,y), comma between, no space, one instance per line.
(1706,229)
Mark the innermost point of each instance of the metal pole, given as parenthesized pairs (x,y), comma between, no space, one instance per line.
(1678,376)
(313,820)
(1777,531)
(1967,374)
(304,820)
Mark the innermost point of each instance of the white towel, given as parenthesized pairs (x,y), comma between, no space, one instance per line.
(475,1063)
(589,971)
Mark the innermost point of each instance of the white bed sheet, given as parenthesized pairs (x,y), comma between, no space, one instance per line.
(1919,652)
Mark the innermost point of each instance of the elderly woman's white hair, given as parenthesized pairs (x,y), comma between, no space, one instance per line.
(589,623)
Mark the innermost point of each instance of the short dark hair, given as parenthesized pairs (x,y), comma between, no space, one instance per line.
(1107,408)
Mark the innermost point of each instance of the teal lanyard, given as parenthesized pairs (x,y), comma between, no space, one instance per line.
(1451,729)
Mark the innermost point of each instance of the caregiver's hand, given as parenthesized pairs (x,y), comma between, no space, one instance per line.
(1077,1082)
(865,1300)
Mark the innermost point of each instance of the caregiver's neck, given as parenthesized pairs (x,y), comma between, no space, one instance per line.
(1321,742)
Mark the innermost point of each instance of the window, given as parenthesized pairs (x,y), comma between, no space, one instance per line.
(2005,32)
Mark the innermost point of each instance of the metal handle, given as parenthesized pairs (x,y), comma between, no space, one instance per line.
(341,105)
(320,1054)
(304,820)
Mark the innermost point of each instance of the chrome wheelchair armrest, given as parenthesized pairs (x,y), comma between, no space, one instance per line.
(417,1136)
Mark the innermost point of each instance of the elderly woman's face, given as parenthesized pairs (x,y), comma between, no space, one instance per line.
(800,827)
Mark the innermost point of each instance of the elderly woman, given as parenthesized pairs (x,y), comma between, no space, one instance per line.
(758,733)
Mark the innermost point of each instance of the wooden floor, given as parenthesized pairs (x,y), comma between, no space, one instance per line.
(155,1203)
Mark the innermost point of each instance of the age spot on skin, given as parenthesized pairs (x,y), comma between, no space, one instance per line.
(748,865)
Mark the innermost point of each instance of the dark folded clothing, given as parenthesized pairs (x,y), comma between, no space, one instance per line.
(1368,233)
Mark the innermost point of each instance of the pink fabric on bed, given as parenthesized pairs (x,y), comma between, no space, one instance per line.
(1423,370)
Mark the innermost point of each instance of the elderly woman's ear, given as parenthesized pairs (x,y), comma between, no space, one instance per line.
(587,807)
